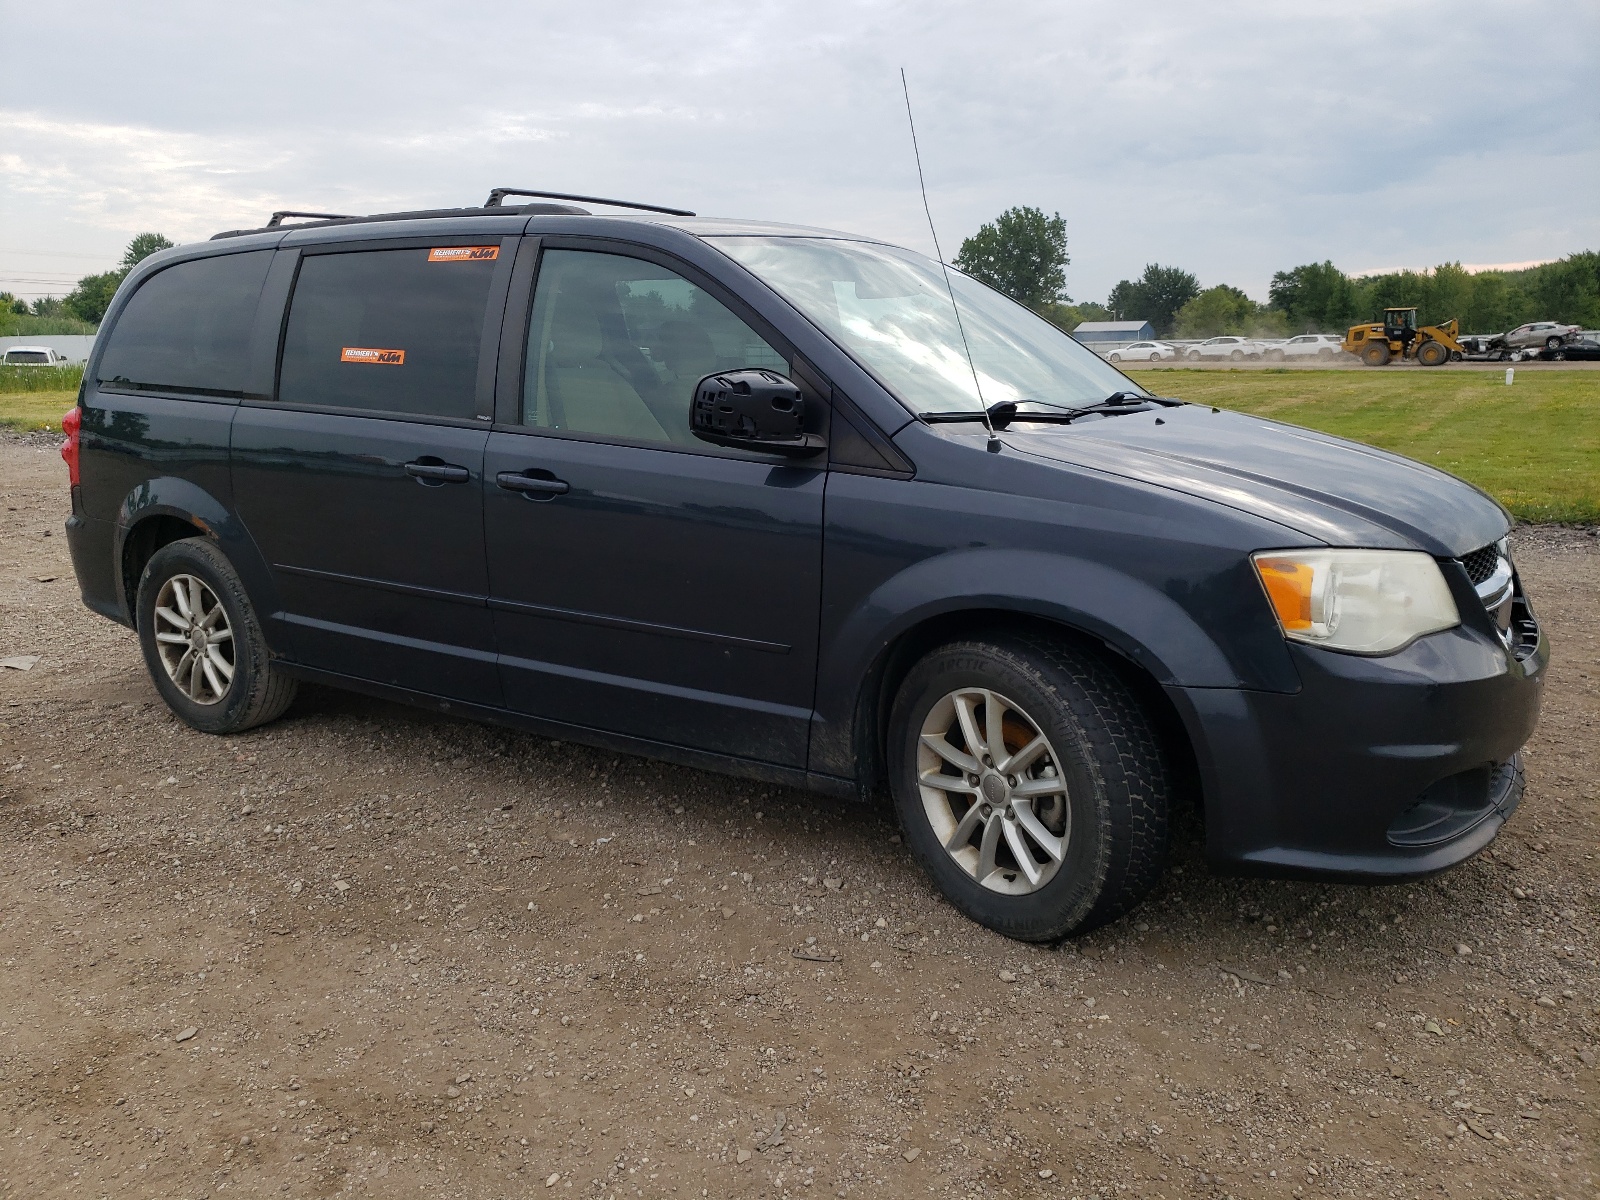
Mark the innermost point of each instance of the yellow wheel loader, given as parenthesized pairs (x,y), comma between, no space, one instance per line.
(1399,337)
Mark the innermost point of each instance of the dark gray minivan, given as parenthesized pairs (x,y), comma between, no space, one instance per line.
(743,496)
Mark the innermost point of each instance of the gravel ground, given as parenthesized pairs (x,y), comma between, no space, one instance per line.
(368,949)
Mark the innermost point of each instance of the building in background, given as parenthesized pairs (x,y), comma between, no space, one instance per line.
(1103,335)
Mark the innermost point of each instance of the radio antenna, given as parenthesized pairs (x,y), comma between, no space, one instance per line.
(994,439)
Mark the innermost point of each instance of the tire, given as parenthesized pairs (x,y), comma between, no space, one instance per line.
(1237,355)
(1114,357)
(1193,356)
(1275,356)
(1433,354)
(1552,343)
(1109,817)
(1376,354)
(240,688)
(1155,356)
(1324,353)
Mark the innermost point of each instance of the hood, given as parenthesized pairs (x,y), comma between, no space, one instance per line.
(1338,492)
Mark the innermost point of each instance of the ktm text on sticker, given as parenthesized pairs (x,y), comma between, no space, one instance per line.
(464,254)
(362,354)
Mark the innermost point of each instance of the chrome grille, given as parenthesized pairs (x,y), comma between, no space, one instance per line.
(1480,564)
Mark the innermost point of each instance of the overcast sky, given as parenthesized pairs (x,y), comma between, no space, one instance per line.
(1231,140)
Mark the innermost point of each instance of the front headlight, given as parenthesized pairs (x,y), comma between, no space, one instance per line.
(1358,601)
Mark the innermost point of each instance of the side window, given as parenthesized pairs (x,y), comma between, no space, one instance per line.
(388,330)
(616,345)
(187,328)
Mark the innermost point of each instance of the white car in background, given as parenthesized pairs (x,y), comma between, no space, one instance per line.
(34,356)
(1226,346)
(1307,345)
(1143,352)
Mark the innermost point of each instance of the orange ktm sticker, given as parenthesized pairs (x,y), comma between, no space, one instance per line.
(464,254)
(362,354)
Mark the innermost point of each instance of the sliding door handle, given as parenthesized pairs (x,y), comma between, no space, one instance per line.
(541,486)
(430,470)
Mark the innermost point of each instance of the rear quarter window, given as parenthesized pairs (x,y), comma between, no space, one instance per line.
(187,328)
(388,330)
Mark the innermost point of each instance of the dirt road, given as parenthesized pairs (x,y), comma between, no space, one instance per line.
(369,950)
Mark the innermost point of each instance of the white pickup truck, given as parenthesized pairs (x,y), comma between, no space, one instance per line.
(34,356)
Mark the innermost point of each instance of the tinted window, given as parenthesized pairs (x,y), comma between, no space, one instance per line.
(27,356)
(187,328)
(388,330)
(616,345)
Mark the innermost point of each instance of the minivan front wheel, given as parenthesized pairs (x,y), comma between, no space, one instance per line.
(1030,784)
(202,641)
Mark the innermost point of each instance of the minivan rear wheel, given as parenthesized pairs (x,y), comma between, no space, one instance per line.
(1030,784)
(202,641)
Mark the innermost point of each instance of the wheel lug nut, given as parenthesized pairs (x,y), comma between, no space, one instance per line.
(1012,780)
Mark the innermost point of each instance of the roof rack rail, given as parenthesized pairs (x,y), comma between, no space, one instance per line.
(499,194)
(277,217)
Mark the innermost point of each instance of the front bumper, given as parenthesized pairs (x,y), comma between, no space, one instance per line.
(1378,768)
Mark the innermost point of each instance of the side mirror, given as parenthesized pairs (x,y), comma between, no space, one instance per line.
(752,409)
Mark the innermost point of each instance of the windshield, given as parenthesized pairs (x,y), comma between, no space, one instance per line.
(888,307)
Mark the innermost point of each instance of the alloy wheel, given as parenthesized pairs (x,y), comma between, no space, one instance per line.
(194,639)
(992,789)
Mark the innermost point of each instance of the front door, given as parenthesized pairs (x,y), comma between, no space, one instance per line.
(362,483)
(643,582)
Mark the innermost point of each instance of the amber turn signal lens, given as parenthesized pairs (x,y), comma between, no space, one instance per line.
(1288,585)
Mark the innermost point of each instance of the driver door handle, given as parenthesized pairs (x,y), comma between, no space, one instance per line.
(437,472)
(515,481)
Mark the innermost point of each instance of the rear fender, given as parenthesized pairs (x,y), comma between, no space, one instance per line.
(169,496)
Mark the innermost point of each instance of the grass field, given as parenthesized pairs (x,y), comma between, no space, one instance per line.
(40,379)
(27,411)
(1534,446)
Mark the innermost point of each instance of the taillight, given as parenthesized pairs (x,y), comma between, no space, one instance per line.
(69,448)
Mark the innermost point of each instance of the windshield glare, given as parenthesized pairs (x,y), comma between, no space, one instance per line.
(889,308)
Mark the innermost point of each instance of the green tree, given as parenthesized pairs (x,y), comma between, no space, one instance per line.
(141,248)
(1495,307)
(1568,290)
(1450,294)
(1217,310)
(1156,296)
(1022,253)
(1070,316)
(1316,297)
(90,299)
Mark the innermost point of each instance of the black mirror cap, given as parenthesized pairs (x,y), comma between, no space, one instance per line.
(753,409)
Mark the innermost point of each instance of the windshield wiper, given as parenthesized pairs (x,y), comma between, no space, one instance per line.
(1005,412)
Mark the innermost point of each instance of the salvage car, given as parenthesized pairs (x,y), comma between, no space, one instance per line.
(1227,346)
(1585,347)
(1307,345)
(1548,334)
(749,497)
(1144,352)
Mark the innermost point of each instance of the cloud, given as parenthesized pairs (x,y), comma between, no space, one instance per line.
(1233,141)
